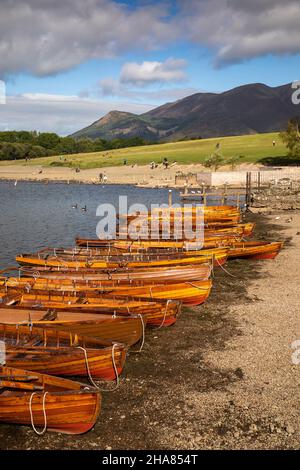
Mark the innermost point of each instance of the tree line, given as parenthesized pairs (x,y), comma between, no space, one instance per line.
(17,145)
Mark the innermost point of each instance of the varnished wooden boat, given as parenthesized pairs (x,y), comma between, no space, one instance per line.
(232,215)
(255,250)
(189,292)
(136,260)
(212,237)
(158,312)
(170,274)
(210,214)
(61,353)
(127,329)
(121,247)
(53,403)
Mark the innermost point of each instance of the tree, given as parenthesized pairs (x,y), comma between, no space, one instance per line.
(65,146)
(215,160)
(234,161)
(49,140)
(37,151)
(291,137)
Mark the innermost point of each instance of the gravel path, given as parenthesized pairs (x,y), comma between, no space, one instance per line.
(262,409)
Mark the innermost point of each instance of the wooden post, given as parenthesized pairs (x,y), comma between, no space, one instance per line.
(258,181)
(238,200)
(170,197)
(204,199)
(248,189)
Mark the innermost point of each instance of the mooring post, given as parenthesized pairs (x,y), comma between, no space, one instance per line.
(170,197)
(225,193)
(247,189)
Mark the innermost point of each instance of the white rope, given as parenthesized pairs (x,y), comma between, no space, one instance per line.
(39,433)
(143,337)
(195,286)
(114,366)
(166,311)
(225,270)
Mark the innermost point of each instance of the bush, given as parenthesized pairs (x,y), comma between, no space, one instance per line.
(215,160)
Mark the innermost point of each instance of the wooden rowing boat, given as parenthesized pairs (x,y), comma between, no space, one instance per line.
(61,353)
(158,312)
(127,329)
(136,260)
(50,402)
(199,272)
(255,250)
(209,214)
(123,247)
(212,237)
(189,292)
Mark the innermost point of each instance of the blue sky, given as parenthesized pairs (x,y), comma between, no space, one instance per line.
(66,65)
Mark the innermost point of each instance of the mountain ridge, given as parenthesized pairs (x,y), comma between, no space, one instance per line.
(246,109)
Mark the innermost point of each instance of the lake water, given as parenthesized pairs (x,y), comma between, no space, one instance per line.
(36,215)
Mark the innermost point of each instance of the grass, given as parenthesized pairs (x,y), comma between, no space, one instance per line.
(254,148)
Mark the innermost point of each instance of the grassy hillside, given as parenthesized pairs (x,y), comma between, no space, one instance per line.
(253,147)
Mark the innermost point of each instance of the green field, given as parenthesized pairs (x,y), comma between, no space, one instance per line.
(254,148)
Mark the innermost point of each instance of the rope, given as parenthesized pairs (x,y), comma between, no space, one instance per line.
(225,270)
(166,311)
(114,366)
(196,287)
(39,433)
(143,338)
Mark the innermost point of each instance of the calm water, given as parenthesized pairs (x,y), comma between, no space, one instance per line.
(36,215)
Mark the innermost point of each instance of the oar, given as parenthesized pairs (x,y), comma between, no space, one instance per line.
(21,378)
(20,385)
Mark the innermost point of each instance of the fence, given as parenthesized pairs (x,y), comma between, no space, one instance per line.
(239,178)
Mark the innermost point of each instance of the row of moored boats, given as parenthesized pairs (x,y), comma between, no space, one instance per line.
(75,312)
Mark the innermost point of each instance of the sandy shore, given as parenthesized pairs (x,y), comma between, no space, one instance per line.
(137,175)
(221,378)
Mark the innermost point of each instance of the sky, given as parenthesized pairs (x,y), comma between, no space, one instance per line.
(64,64)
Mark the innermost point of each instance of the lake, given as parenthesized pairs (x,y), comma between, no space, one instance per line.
(36,215)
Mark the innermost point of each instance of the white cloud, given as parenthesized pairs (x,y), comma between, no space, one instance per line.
(58,113)
(50,36)
(112,87)
(147,73)
(135,78)
(237,30)
(45,37)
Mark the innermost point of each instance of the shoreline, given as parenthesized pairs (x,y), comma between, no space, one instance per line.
(138,175)
(221,378)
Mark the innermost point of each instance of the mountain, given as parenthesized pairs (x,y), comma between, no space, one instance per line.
(247,109)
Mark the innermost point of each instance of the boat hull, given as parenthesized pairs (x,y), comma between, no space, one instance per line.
(126,329)
(255,250)
(70,407)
